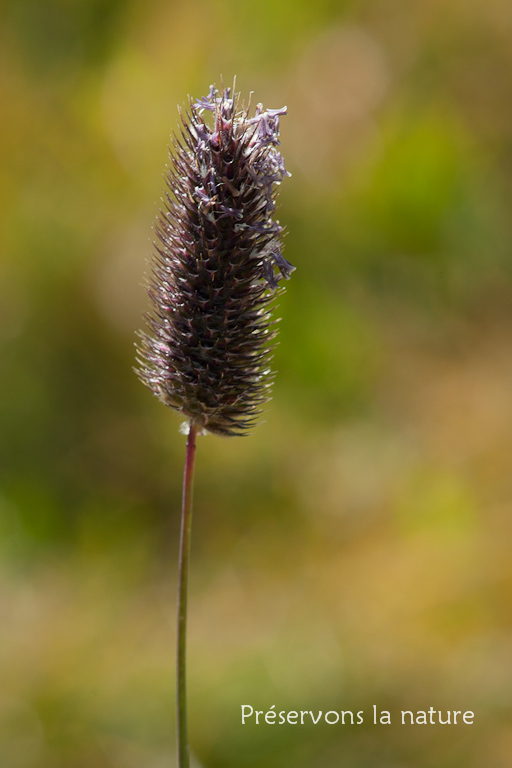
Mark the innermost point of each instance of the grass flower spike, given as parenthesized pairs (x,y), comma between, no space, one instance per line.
(219,253)
(214,276)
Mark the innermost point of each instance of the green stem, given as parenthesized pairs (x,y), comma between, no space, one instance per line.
(184,558)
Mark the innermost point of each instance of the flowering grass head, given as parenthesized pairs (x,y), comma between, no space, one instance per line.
(217,265)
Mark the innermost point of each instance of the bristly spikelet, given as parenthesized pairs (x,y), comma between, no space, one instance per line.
(217,265)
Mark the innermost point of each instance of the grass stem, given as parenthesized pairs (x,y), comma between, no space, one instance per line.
(183,566)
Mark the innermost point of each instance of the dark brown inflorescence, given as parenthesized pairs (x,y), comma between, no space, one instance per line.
(217,266)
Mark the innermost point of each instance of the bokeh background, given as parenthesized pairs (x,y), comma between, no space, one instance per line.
(356,548)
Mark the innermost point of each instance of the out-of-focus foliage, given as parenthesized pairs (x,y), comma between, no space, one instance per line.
(355,550)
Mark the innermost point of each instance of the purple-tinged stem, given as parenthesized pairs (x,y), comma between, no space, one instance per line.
(184,558)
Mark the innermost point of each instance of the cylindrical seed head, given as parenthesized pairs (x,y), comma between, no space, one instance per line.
(217,264)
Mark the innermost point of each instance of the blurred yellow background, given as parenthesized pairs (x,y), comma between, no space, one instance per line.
(356,548)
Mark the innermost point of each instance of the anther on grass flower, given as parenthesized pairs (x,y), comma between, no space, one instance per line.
(218,254)
(214,276)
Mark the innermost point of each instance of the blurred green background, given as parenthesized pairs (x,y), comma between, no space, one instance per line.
(356,548)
